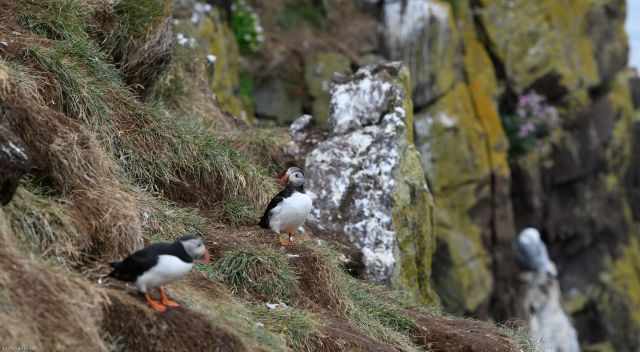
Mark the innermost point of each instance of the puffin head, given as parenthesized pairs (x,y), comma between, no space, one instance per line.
(294,176)
(530,236)
(194,246)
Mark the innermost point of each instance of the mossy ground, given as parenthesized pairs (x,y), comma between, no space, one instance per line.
(116,167)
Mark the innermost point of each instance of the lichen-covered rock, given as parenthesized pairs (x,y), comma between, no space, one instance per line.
(421,33)
(319,70)
(549,326)
(574,188)
(368,179)
(542,45)
(453,149)
(201,27)
(14,163)
(275,99)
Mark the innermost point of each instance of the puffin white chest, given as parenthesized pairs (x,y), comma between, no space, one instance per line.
(169,268)
(291,213)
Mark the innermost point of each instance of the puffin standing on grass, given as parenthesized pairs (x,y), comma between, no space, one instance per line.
(160,264)
(289,209)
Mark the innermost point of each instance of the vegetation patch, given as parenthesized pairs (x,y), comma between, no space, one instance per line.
(533,120)
(300,328)
(246,27)
(44,226)
(263,272)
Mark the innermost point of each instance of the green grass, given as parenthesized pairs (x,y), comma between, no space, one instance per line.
(58,20)
(44,226)
(166,221)
(300,328)
(136,16)
(160,149)
(377,311)
(262,272)
(238,212)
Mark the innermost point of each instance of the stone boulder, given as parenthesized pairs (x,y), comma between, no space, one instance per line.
(369,181)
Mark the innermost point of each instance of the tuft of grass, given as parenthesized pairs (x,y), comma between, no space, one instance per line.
(82,93)
(262,272)
(44,226)
(183,158)
(57,20)
(164,220)
(519,335)
(137,16)
(238,213)
(375,310)
(264,146)
(300,328)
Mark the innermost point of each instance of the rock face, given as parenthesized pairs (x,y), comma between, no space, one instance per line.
(549,326)
(471,62)
(368,178)
(14,163)
(422,35)
(202,26)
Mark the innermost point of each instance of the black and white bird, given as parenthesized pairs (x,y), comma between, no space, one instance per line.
(160,264)
(532,252)
(289,209)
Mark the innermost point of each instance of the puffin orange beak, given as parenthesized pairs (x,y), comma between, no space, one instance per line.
(205,258)
(284,179)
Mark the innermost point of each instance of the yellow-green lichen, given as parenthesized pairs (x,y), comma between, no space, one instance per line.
(535,39)
(413,219)
(225,80)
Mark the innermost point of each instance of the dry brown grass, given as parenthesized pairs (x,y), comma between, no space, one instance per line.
(45,309)
(130,324)
(73,162)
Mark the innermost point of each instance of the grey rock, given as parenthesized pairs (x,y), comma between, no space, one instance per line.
(354,172)
(274,101)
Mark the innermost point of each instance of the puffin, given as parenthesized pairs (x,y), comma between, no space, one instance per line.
(159,264)
(532,253)
(289,209)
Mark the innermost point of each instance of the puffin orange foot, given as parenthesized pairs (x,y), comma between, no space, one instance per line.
(285,241)
(166,301)
(157,306)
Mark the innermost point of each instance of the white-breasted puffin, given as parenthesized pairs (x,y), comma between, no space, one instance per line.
(289,209)
(159,264)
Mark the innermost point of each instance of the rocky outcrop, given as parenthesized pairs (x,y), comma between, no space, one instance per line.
(14,163)
(369,181)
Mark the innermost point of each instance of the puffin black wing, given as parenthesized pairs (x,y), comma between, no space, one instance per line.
(285,193)
(139,262)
